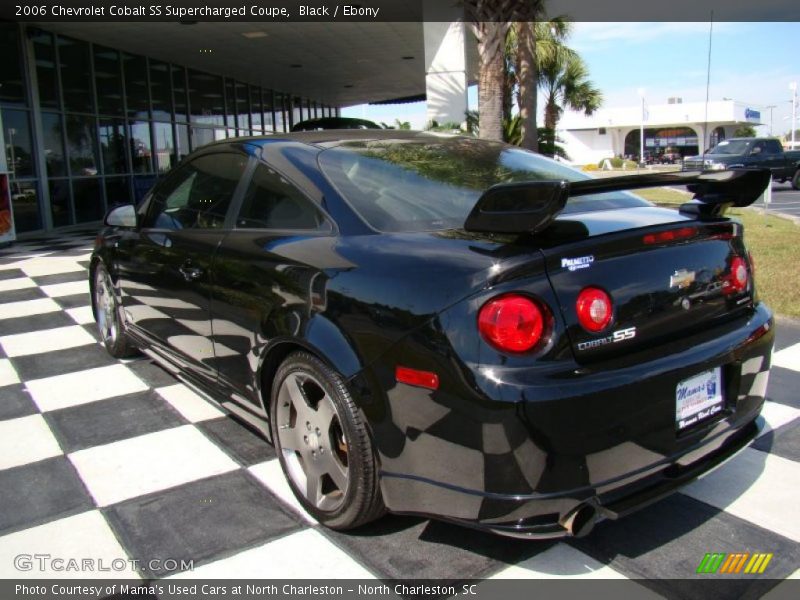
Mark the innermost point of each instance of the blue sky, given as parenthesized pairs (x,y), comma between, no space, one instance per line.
(750,62)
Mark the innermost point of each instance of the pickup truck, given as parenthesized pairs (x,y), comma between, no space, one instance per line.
(750,152)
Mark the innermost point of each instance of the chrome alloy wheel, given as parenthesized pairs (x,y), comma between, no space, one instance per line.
(105,306)
(312,441)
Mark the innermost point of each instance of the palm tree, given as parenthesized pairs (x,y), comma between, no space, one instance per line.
(565,83)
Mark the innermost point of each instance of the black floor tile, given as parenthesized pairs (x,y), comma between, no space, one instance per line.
(107,421)
(74,300)
(202,520)
(665,543)
(241,442)
(38,322)
(39,492)
(784,386)
(783,441)
(149,372)
(59,362)
(21,295)
(60,278)
(402,547)
(11,274)
(15,402)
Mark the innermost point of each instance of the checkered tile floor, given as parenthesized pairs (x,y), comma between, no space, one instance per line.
(116,459)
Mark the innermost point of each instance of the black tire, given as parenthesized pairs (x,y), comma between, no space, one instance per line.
(796,180)
(330,444)
(108,315)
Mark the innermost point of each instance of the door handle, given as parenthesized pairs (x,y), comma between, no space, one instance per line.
(189,272)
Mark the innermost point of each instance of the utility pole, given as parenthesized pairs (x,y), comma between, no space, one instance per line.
(641,131)
(770,107)
(793,87)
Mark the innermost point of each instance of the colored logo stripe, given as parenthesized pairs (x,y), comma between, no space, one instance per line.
(721,562)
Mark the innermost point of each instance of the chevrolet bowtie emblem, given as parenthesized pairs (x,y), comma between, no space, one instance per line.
(682,279)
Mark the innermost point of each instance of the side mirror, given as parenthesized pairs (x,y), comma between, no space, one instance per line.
(122,216)
(756,150)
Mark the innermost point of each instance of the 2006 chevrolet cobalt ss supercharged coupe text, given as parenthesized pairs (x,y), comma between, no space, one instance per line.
(448,326)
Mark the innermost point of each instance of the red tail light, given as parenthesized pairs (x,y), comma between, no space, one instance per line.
(738,277)
(594,309)
(672,235)
(512,323)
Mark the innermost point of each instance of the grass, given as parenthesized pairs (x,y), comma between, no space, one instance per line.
(774,243)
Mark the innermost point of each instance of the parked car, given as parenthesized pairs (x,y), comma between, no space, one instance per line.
(766,153)
(334,123)
(447,326)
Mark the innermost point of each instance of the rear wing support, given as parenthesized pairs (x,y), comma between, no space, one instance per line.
(529,207)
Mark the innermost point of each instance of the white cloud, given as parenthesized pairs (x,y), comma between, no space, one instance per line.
(593,36)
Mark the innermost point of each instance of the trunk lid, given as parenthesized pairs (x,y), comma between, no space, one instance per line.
(667,275)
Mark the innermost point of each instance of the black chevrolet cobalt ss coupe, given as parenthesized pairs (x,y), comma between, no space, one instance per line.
(447,326)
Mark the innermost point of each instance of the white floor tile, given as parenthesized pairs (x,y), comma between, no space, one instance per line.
(81,387)
(788,358)
(148,463)
(776,414)
(192,406)
(755,486)
(51,265)
(26,440)
(321,559)
(81,315)
(36,342)
(8,375)
(83,536)
(67,289)
(25,308)
(559,562)
(271,475)
(18,283)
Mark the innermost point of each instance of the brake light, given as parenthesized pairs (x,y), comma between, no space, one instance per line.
(594,309)
(512,323)
(738,277)
(671,235)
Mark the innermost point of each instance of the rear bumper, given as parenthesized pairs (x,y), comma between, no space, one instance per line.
(521,457)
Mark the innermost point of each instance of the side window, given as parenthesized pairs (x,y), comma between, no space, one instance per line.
(773,147)
(198,194)
(271,202)
(758,147)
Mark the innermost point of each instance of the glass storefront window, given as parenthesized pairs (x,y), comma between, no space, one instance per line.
(45,54)
(19,148)
(164,147)
(53,138)
(76,78)
(201,136)
(279,114)
(12,87)
(206,99)
(256,109)
(117,191)
(180,94)
(242,107)
(182,140)
(59,202)
(141,147)
(88,200)
(112,143)
(82,145)
(230,103)
(135,68)
(160,90)
(25,202)
(108,80)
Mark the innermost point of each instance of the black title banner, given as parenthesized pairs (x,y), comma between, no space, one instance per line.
(392,10)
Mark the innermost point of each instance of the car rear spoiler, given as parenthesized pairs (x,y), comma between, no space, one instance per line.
(529,207)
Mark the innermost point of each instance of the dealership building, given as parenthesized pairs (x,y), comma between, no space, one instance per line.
(93,113)
(675,127)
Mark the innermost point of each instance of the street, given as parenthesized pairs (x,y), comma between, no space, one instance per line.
(784,199)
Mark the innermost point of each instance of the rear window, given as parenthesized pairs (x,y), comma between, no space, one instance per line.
(433,183)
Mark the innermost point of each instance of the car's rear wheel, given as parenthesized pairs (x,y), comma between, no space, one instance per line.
(796,180)
(110,325)
(323,444)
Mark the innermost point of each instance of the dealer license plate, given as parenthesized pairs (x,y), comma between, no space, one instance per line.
(698,398)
